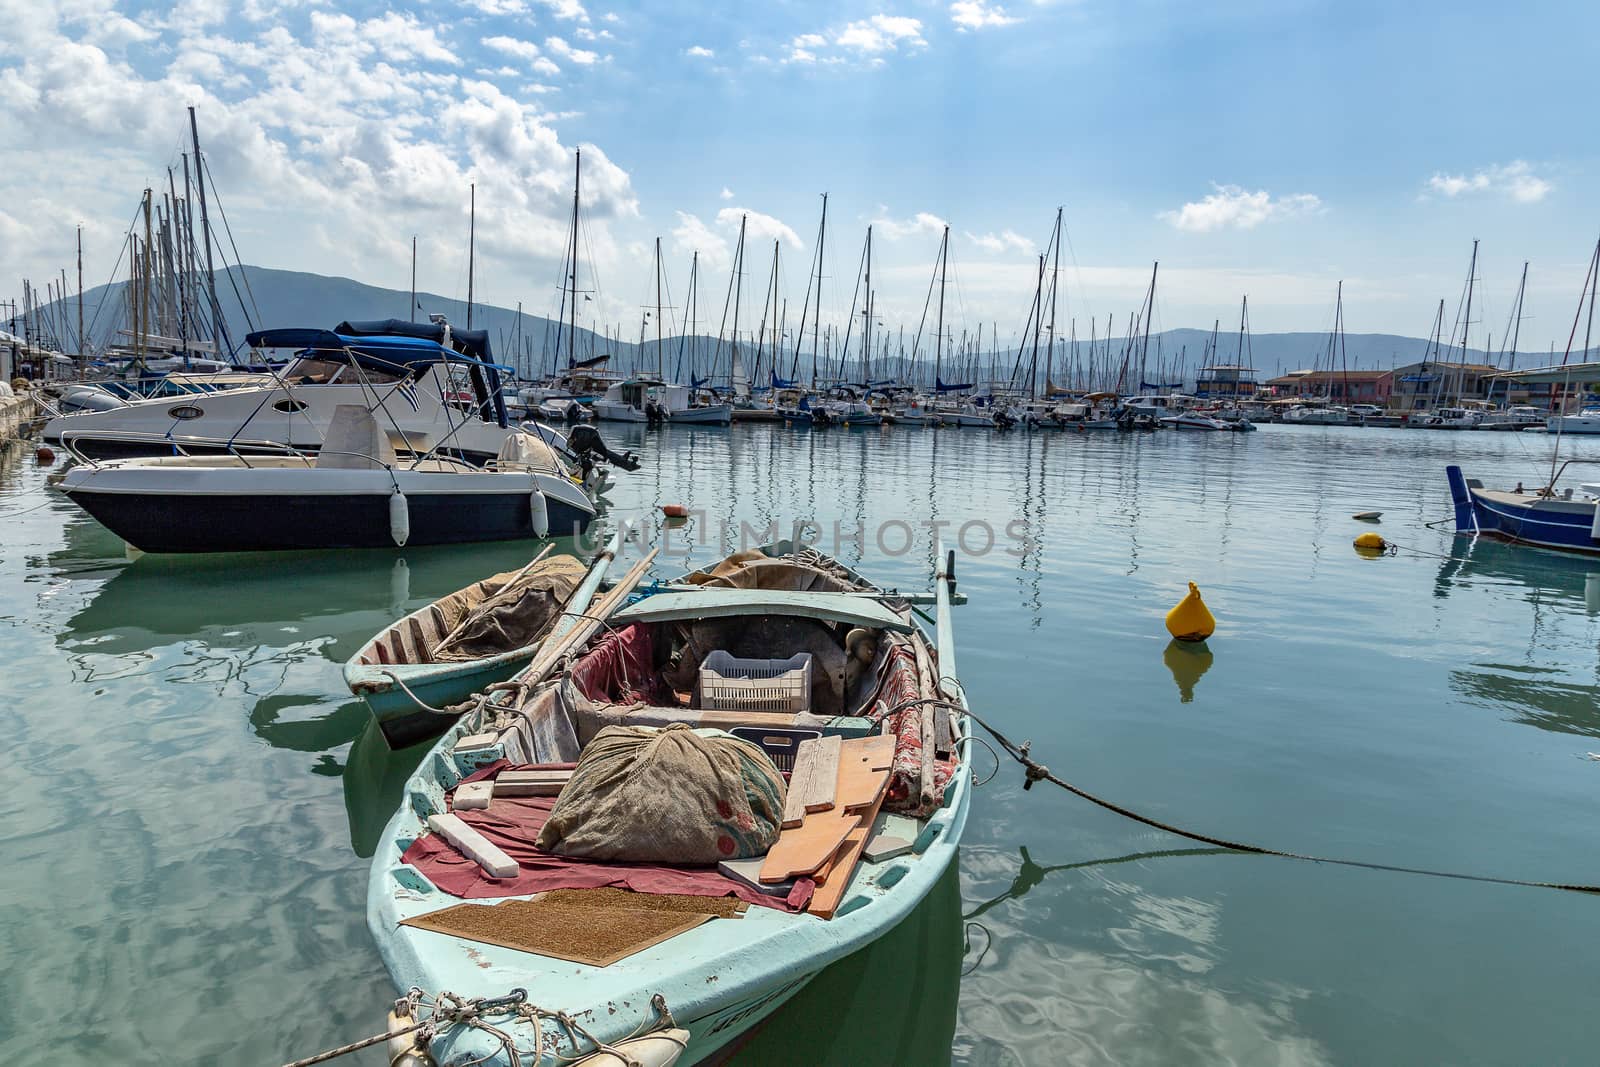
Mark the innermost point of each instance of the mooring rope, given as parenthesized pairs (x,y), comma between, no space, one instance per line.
(1038,772)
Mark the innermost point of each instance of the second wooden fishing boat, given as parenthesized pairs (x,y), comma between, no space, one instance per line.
(461,644)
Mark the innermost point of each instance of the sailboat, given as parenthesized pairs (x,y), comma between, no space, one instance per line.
(1545,516)
(945,406)
(653,400)
(1318,411)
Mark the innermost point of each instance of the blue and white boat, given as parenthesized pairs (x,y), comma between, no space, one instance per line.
(1565,520)
(692,996)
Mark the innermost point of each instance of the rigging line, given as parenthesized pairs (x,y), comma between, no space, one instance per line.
(1038,772)
(216,198)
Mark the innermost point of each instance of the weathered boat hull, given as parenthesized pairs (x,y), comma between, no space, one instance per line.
(1556,523)
(401,720)
(719,980)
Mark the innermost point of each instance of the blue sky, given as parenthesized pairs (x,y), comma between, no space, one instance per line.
(1269,148)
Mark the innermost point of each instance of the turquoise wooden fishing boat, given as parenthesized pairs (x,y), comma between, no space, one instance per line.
(685,998)
(410,687)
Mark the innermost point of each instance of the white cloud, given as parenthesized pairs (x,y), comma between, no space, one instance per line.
(727,194)
(610,16)
(570,10)
(499,7)
(319,131)
(512,46)
(693,235)
(881,33)
(544,65)
(869,39)
(699,52)
(581,56)
(1000,242)
(1239,208)
(759,226)
(1515,179)
(922,222)
(976,14)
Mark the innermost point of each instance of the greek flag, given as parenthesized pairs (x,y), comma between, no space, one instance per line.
(409,391)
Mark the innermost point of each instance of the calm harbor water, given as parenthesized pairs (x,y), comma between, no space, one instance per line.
(193,799)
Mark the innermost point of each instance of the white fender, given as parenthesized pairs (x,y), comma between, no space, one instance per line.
(399,518)
(402,1049)
(658,1049)
(540,509)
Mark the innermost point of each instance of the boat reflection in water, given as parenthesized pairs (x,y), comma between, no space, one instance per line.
(893,1002)
(1555,586)
(247,599)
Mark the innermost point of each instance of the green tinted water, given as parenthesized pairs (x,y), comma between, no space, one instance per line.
(191,799)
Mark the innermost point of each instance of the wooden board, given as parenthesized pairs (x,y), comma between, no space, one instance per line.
(825,901)
(474,846)
(864,771)
(807,847)
(814,780)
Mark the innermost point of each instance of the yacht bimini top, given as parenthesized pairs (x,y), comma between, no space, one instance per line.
(394,347)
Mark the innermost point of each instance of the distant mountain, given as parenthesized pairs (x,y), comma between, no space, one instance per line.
(296,298)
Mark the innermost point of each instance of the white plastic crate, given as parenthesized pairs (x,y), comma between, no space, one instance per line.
(728,683)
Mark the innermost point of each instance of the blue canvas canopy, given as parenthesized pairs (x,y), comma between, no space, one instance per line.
(781,383)
(940,386)
(390,353)
(468,342)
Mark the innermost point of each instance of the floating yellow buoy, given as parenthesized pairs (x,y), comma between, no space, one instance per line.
(1371,545)
(1190,620)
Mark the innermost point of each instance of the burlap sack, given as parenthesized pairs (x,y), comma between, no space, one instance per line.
(672,795)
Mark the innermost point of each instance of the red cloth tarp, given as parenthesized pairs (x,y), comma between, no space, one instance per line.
(513,824)
(619,669)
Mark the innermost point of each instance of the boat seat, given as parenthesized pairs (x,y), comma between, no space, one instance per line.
(354,442)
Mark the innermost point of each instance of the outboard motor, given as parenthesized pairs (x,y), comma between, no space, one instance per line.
(654,413)
(1003,419)
(585,442)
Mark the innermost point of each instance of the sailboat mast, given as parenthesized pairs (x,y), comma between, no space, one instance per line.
(218,330)
(938,340)
(412,314)
(82,344)
(572,333)
(738,293)
(1055,278)
(472,246)
(816,315)
(661,370)
(1466,321)
(866,327)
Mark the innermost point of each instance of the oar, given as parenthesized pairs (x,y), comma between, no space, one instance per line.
(477,613)
(591,621)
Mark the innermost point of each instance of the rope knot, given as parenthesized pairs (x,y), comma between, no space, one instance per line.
(1037,772)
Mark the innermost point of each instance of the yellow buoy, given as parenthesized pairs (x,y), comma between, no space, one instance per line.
(1370,545)
(1191,620)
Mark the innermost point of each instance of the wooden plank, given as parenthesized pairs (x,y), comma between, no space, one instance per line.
(475,743)
(825,901)
(944,734)
(420,639)
(864,771)
(813,781)
(473,845)
(802,850)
